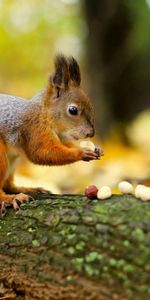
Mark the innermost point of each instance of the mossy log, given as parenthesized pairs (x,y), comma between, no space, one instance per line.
(69,247)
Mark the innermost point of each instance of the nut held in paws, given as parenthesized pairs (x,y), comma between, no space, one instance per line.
(91,191)
(87,145)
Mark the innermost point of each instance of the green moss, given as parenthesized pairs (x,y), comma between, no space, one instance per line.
(78,263)
(126,243)
(128,268)
(92,256)
(113,262)
(71,250)
(90,271)
(80,246)
(35,243)
(138,235)
(106,239)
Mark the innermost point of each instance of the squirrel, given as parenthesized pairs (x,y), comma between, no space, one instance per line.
(44,128)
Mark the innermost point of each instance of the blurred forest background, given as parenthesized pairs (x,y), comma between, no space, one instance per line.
(111,41)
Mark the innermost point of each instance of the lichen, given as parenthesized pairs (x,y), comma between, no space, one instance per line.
(103,240)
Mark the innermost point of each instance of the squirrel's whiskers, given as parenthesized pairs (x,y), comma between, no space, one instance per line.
(44,128)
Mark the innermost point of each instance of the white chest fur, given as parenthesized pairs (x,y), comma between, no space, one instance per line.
(14,155)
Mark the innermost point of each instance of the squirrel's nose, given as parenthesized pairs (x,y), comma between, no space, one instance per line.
(91,132)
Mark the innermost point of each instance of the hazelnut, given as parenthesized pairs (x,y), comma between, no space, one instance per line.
(104,192)
(91,191)
(142,192)
(138,190)
(87,145)
(125,187)
(90,146)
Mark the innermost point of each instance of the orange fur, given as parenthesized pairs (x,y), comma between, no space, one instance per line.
(6,200)
(45,148)
(3,165)
(47,132)
(11,188)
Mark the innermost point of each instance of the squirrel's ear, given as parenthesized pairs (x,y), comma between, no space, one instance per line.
(61,77)
(74,71)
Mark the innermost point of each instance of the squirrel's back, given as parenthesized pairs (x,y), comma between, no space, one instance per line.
(62,112)
(12,110)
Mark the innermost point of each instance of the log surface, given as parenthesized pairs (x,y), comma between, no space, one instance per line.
(69,247)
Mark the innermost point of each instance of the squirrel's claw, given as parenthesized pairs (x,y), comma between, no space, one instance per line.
(99,151)
(3,209)
(21,198)
(15,205)
(89,155)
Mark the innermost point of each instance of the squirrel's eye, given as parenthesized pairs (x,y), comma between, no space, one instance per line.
(73,110)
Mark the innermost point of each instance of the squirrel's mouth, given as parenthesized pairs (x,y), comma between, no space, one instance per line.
(74,137)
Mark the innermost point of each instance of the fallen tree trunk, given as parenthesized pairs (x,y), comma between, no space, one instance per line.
(69,247)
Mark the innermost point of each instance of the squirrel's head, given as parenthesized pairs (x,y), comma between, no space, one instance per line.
(67,103)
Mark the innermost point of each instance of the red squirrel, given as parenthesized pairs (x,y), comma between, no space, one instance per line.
(44,128)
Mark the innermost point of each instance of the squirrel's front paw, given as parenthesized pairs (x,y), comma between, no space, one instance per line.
(88,155)
(91,151)
(99,151)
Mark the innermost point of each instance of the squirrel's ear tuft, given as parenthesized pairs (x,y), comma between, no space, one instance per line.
(74,71)
(61,77)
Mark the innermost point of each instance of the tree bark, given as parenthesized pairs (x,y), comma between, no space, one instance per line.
(119,73)
(70,247)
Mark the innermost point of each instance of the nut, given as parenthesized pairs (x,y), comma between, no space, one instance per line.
(139,190)
(142,192)
(104,192)
(125,187)
(90,146)
(91,191)
(87,145)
